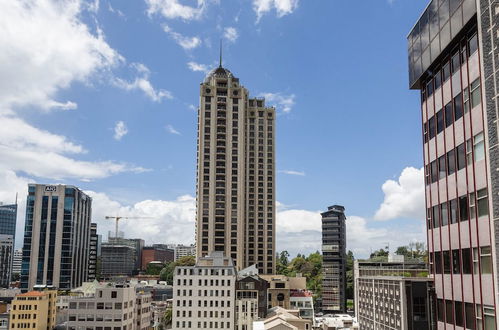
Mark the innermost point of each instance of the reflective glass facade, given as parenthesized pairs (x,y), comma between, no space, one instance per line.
(8,216)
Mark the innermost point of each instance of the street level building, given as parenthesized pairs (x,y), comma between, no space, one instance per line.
(204,294)
(35,310)
(453,63)
(56,237)
(235,173)
(393,295)
(6,252)
(334,260)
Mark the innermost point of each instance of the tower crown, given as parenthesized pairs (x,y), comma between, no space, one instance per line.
(219,72)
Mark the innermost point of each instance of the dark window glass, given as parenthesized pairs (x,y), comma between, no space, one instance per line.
(473,44)
(436,216)
(470,316)
(429,88)
(434,171)
(463,208)
(456,262)
(449,114)
(455,62)
(438,263)
(453,211)
(440,310)
(451,162)
(461,157)
(446,255)
(440,121)
(448,311)
(446,72)
(444,214)
(431,127)
(466,261)
(442,170)
(425,132)
(459,313)
(458,106)
(438,80)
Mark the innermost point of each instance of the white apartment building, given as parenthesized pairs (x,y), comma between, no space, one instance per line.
(204,294)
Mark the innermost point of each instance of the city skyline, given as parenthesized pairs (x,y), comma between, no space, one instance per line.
(113,143)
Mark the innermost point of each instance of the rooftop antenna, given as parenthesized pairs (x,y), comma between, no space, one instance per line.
(220,53)
(16,198)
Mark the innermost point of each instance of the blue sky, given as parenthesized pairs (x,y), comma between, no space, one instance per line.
(102,95)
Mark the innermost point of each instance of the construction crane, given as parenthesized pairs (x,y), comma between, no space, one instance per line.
(117,219)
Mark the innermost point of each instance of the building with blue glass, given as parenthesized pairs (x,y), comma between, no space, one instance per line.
(56,237)
(8,216)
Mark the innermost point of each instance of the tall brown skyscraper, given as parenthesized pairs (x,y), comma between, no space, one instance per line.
(235,173)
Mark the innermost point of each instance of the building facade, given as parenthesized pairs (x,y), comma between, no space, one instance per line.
(156,253)
(280,288)
(8,219)
(56,237)
(117,260)
(17,261)
(6,253)
(453,63)
(92,253)
(393,295)
(181,250)
(235,173)
(204,294)
(35,310)
(251,300)
(334,260)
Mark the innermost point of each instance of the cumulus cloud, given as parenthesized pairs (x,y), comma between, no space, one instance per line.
(231,34)
(173,9)
(404,198)
(187,43)
(143,83)
(291,172)
(41,40)
(120,130)
(282,7)
(284,102)
(193,66)
(170,129)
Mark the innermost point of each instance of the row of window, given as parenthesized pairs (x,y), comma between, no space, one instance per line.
(452,111)
(204,325)
(204,293)
(466,315)
(462,261)
(456,210)
(204,271)
(204,303)
(456,159)
(450,66)
(205,314)
(206,282)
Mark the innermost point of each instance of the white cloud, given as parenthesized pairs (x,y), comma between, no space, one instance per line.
(115,10)
(231,34)
(173,9)
(40,42)
(403,198)
(291,172)
(187,43)
(120,130)
(143,84)
(193,66)
(172,130)
(282,7)
(284,102)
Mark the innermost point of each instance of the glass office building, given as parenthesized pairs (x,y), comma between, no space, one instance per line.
(453,62)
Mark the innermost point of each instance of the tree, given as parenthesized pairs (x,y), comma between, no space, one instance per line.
(349,272)
(167,272)
(282,263)
(379,254)
(166,320)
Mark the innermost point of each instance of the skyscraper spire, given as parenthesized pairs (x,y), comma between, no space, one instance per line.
(220,54)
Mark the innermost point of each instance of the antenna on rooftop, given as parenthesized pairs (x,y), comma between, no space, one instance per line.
(220,53)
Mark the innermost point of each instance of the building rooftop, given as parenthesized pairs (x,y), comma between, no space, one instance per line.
(32,294)
(219,72)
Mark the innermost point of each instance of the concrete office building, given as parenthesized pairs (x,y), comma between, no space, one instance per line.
(204,294)
(181,250)
(35,310)
(92,253)
(117,260)
(453,62)
(6,252)
(251,298)
(56,237)
(8,219)
(281,287)
(334,260)
(137,244)
(17,261)
(393,295)
(156,253)
(235,173)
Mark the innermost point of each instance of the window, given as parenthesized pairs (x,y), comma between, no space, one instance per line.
(446,71)
(482,202)
(431,127)
(455,62)
(469,152)
(434,171)
(453,211)
(466,97)
(461,157)
(478,147)
(473,45)
(456,262)
(447,267)
(440,310)
(458,312)
(466,260)
(440,121)
(438,80)
(449,115)
(114,294)
(444,214)
(436,217)
(458,107)
(469,312)
(476,266)
(476,97)
(448,311)
(451,162)
(489,317)
(442,171)
(463,208)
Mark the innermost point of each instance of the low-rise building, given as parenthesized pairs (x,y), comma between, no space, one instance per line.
(336,322)
(34,310)
(156,253)
(204,294)
(251,298)
(303,301)
(143,315)
(181,250)
(279,318)
(393,295)
(280,287)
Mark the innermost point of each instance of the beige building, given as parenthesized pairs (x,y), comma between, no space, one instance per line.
(282,319)
(33,310)
(235,173)
(204,294)
(280,287)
